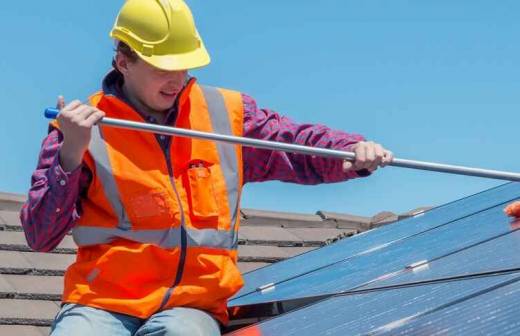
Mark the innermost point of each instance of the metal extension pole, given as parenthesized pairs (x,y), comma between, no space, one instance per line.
(52,113)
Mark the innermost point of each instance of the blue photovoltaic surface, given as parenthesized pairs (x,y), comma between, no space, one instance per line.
(494,313)
(374,312)
(375,241)
(462,238)
(392,259)
(381,312)
(498,254)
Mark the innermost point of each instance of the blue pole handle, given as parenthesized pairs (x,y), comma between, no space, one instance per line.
(51,113)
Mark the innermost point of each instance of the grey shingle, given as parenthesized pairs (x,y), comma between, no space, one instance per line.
(21,330)
(269,254)
(35,287)
(294,251)
(49,261)
(11,260)
(272,235)
(5,286)
(35,263)
(11,202)
(250,266)
(383,218)
(10,220)
(15,241)
(281,219)
(37,312)
(346,221)
(259,253)
(322,235)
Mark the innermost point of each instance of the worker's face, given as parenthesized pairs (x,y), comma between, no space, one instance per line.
(155,88)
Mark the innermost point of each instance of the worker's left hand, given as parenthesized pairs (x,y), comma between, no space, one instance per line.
(369,156)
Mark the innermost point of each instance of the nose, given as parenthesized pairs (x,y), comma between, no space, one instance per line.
(178,78)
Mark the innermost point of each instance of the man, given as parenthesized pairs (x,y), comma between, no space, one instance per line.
(155,218)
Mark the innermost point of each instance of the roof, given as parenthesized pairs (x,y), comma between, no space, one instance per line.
(454,270)
(31,283)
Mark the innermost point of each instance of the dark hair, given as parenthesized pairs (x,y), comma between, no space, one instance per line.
(123,48)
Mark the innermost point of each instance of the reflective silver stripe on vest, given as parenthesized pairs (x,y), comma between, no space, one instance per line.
(166,238)
(98,150)
(227,153)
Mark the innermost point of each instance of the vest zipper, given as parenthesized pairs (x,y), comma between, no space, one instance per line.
(184,238)
(184,234)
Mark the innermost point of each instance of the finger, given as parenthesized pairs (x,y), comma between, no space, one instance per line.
(71,113)
(371,152)
(370,156)
(93,118)
(60,103)
(387,158)
(347,166)
(372,159)
(379,154)
(361,157)
(72,105)
(80,113)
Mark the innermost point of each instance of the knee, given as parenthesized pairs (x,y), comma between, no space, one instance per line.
(180,322)
(186,328)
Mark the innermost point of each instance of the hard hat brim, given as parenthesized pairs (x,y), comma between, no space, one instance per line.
(191,60)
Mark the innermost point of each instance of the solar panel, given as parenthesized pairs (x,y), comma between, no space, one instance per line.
(374,312)
(501,253)
(390,260)
(492,313)
(375,240)
(403,278)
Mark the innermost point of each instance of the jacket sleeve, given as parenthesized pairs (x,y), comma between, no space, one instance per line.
(53,203)
(265,165)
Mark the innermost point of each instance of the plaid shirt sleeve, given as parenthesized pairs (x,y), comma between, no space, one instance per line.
(264,165)
(53,202)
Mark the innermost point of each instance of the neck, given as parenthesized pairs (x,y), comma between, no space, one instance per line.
(142,107)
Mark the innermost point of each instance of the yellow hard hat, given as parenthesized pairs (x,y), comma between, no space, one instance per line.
(162,33)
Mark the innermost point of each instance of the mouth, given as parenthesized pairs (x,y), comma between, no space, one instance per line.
(169,94)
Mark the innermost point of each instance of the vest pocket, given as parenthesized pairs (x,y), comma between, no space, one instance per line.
(202,196)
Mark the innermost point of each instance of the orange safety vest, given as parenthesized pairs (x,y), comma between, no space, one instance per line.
(160,230)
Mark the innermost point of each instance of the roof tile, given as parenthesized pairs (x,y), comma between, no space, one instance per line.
(35,287)
(282,219)
(250,266)
(10,220)
(346,221)
(13,311)
(5,286)
(11,260)
(264,234)
(319,236)
(49,261)
(261,253)
(23,330)
(15,241)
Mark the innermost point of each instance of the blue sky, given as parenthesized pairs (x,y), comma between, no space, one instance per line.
(432,80)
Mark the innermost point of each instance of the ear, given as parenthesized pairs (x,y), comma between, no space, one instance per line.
(121,63)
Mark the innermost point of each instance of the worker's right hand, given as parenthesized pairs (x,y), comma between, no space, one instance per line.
(76,120)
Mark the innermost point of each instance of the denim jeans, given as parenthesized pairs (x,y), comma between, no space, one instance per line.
(87,321)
